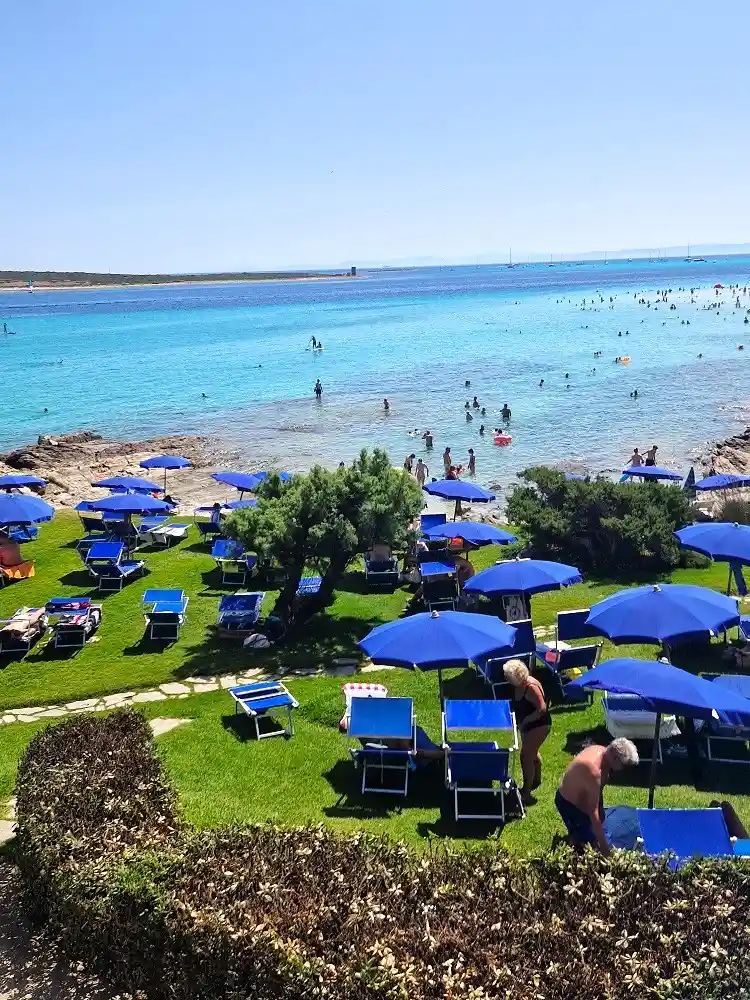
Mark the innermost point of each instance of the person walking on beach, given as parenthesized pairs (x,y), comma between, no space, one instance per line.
(636,459)
(421,472)
(447,460)
(428,441)
(472,462)
(409,462)
(651,455)
(579,798)
(318,389)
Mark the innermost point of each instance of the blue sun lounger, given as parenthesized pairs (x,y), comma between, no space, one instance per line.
(523,648)
(687,834)
(239,614)
(73,620)
(24,533)
(309,585)
(439,585)
(264,701)
(146,525)
(235,564)
(717,731)
(479,769)
(104,560)
(378,723)
(164,611)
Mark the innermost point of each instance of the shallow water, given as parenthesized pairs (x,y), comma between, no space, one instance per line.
(135,362)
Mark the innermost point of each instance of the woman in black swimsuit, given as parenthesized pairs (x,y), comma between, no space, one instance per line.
(533,720)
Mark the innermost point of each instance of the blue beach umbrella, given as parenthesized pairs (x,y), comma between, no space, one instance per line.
(454,489)
(722,481)
(240,504)
(663,613)
(523,576)
(668,690)
(472,531)
(129,483)
(245,482)
(434,640)
(720,540)
(131,503)
(19,479)
(652,472)
(262,476)
(16,508)
(165,462)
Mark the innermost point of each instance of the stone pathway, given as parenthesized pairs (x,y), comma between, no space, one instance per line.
(342,667)
(173,689)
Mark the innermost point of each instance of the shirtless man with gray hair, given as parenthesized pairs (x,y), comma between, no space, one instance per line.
(579,797)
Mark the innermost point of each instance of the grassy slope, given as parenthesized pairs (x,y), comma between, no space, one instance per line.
(222,778)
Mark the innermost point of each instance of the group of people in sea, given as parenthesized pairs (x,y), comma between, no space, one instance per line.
(647,459)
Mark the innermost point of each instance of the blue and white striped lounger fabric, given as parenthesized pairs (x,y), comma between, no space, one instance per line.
(266,701)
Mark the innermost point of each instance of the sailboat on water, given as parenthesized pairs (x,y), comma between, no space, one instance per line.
(510,258)
(693,260)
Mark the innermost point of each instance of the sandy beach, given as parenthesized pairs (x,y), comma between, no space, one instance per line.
(61,286)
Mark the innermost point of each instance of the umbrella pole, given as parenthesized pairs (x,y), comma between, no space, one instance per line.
(654,752)
(165,481)
(729,582)
(440,686)
(455,510)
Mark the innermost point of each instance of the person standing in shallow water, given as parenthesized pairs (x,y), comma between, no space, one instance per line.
(447,460)
(318,389)
(421,472)
(428,441)
(472,462)
(651,455)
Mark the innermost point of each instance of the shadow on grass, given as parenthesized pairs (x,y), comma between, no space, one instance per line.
(447,826)
(243,729)
(322,639)
(80,578)
(425,791)
(145,646)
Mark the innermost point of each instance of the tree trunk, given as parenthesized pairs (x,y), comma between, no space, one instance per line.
(287,594)
(317,602)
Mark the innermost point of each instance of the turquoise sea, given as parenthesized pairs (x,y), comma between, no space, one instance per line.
(135,362)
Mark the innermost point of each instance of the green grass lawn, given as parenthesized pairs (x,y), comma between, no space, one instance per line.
(224,777)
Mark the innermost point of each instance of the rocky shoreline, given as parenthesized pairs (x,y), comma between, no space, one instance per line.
(71,462)
(731,455)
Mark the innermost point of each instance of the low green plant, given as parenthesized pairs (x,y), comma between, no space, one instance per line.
(612,529)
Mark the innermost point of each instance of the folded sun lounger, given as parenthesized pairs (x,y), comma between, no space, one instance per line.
(235,564)
(168,534)
(630,716)
(164,611)
(480,770)
(74,620)
(105,562)
(523,648)
(239,614)
(386,730)
(716,731)
(266,701)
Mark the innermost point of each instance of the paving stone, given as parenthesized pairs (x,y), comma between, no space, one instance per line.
(52,713)
(196,680)
(149,696)
(250,675)
(10,808)
(371,668)
(228,682)
(205,688)
(7,719)
(164,725)
(113,700)
(341,670)
(7,832)
(77,706)
(174,688)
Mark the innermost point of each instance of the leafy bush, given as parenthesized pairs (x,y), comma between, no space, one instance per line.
(600,526)
(264,912)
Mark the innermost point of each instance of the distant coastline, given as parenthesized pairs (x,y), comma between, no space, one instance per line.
(51,281)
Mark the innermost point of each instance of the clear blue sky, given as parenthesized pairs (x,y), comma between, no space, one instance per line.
(179,135)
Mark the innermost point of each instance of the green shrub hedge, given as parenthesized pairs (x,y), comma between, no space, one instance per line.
(264,912)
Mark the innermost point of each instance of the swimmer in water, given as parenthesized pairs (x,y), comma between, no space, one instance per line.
(386,406)
(475,403)
(202,394)
(481,430)
(541,383)
(318,389)
(428,440)
(505,412)
(467,383)
(469,417)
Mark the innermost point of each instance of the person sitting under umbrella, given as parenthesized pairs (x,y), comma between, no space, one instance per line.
(534,723)
(579,798)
